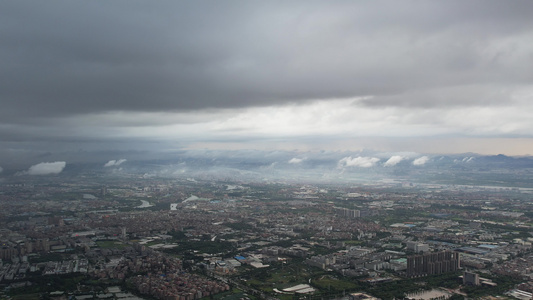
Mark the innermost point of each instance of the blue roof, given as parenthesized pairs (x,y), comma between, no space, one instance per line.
(471,250)
(238,257)
(488,246)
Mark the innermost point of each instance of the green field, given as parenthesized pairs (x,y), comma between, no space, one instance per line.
(332,284)
(234,294)
(111,245)
(34,296)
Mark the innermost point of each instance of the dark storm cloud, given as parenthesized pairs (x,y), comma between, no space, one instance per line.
(63,58)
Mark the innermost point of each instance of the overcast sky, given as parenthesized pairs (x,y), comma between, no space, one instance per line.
(422,76)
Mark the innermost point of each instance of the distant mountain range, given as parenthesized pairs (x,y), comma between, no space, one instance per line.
(324,166)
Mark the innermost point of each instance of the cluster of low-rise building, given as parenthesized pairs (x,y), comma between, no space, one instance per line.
(264,231)
(177,286)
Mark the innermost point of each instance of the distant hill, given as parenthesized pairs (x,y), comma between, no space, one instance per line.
(322,166)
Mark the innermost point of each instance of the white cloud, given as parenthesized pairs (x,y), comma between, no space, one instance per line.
(468,159)
(393,160)
(363,162)
(420,161)
(328,117)
(114,163)
(46,168)
(399,127)
(295,160)
(110,163)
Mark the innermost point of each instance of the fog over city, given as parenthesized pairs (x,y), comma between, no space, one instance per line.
(413,76)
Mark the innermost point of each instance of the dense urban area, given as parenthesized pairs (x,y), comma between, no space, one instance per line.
(266,150)
(133,237)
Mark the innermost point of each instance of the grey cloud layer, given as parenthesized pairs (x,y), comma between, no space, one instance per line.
(62,58)
(141,75)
